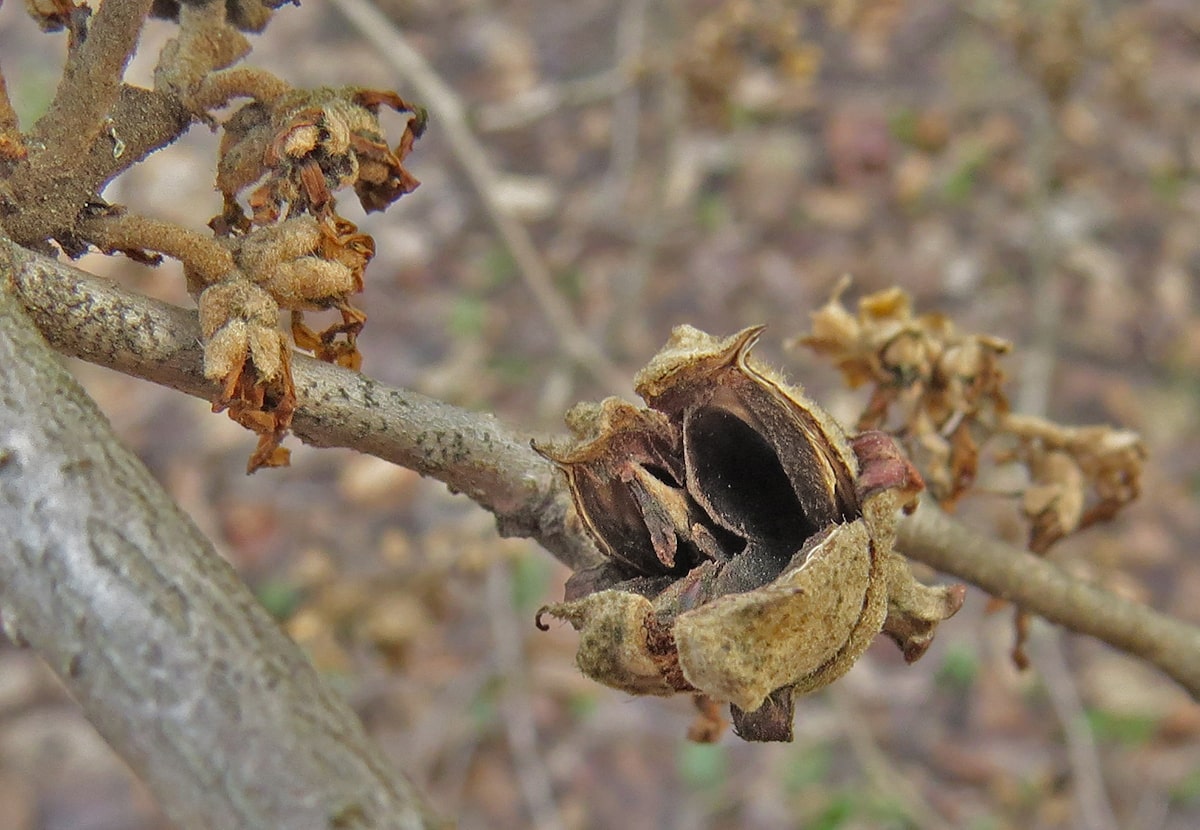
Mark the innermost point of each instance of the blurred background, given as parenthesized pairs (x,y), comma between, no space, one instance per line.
(1031,168)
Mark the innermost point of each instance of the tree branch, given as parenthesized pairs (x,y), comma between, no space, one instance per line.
(93,319)
(168,653)
(91,82)
(1036,585)
(474,454)
(448,110)
(45,200)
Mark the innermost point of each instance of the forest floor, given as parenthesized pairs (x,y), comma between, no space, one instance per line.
(1030,169)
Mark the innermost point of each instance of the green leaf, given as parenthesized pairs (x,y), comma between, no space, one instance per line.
(530,580)
(1116,727)
(279,597)
(702,766)
(809,765)
(467,316)
(959,669)
(841,808)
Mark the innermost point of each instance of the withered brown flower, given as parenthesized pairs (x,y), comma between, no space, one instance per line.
(748,543)
(300,146)
(944,386)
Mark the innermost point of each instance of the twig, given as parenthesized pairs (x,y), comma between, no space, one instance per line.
(518,716)
(90,84)
(1033,398)
(450,117)
(205,259)
(535,104)
(629,326)
(47,202)
(1005,571)
(626,111)
(155,635)
(1091,798)
(882,775)
(99,322)
(1037,367)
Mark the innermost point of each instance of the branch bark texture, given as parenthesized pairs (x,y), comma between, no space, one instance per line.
(1033,583)
(95,320)
(472,453)
(168,653)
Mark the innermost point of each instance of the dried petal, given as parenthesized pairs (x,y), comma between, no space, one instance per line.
(622,448)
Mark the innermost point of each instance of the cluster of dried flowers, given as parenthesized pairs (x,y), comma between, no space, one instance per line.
(940,393)
(279,243)
(735,46)
(287,151)
(942,389)
(748,544)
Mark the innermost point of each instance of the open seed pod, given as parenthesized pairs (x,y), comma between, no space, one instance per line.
(748,543)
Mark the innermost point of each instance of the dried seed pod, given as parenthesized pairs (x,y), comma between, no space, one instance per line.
(763,460)
(748,543)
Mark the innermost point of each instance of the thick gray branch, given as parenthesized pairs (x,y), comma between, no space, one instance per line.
(101,323)
(170,656)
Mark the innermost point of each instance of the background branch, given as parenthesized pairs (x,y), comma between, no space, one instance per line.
(162,644)
(474,454)
(1005,571)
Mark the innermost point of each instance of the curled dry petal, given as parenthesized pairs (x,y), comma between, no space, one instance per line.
(748,543)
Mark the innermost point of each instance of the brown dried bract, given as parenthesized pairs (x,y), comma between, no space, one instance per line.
(248,356)
(748,544)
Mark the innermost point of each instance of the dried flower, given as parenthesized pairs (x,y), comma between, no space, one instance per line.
(946,387)
(301,146)
(942,393)
(246,353)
